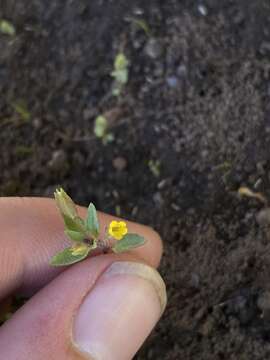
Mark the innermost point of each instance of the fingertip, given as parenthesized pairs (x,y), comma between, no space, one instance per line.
(153,248)
(102,308)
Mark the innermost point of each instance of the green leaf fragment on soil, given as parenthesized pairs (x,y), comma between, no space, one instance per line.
(101,125)
(143,25)
(92,223)
(129,241)
(121,76)
(21,109)
(70,256)
(7,28)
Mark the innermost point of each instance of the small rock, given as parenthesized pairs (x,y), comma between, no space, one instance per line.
(138,11)
(37,123)
(175,207)
(239,18)
(263,304)
(58,160)
(263,217)
(162,184)
(195,281)
(87,114)
(153,49)
(158,198)
(265,48)
(182,71)
(119,163)
(208,326)
(202,10)
(172,81)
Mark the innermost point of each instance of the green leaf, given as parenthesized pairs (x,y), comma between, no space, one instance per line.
(65,204)
(121,62)
(75,224)
(92,224)
(20,107)
(143,25)
(121,76)
(75,235)
(7,28)
(70,256)
(101,125)
(120,73)
(129,241)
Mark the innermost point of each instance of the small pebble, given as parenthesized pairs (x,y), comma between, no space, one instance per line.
(175,207)
(37,123)
(182,71)
(263,304)
(195,281)
(265,48)
(119,163)
(263,217)
(172,81)
(153,49)
(202,10)
(158,198)
(58,160)
(208,326)
(162,184)
(87,114)
(138,11)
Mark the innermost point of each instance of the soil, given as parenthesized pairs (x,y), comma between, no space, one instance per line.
(191,127)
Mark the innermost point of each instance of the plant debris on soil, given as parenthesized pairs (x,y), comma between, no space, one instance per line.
(197,103)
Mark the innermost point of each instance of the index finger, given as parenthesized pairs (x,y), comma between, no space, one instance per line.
(32,231)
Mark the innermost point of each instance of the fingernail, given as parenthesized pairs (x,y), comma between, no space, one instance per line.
(119,313)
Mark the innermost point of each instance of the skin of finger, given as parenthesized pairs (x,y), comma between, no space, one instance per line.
(32,231)
(41,329)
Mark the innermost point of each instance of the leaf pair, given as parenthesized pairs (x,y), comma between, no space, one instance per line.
(120,73)
(101,130)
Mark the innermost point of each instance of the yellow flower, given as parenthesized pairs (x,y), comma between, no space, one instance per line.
(118,229)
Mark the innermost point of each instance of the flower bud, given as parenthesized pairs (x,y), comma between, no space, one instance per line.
(65,204)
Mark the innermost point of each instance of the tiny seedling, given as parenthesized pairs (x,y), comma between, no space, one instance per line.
(120,74)
(101,130)
(142,24)
(7,28)
(86,235)
(23,151)
(154,166)
(21,109)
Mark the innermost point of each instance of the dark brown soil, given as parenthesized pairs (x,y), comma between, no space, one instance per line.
(197,101)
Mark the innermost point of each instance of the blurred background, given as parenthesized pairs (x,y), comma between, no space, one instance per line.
(157,111)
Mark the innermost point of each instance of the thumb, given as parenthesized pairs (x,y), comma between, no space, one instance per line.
(102,309)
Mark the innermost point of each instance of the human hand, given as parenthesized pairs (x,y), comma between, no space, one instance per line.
(102,308)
